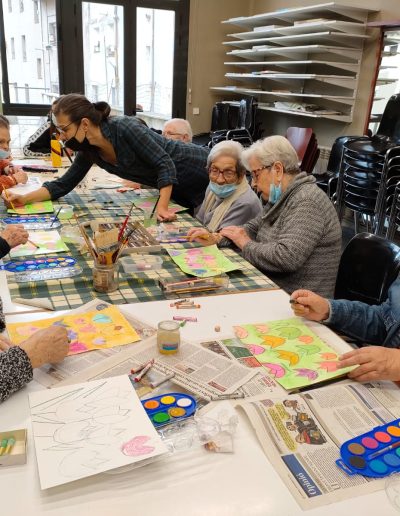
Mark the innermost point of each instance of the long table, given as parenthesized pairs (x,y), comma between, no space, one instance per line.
(190,483)
(73,292)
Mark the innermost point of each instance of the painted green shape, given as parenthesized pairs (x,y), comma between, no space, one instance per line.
(34,208)
(239,352)
(289,333)
(308,349)
(203,262)
(309,354)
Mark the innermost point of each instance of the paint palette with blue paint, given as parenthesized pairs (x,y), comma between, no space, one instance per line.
(34,221)
(373,454)
(47,274)
(170,407)
(51,262)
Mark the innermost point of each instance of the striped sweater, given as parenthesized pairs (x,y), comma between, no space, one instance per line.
(297,241)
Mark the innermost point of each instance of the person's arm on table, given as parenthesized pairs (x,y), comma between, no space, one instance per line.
(158,159)
(59,187)
(46,346)
(356,319)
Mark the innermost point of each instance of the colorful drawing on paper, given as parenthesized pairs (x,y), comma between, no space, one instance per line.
(48,242)
(34,208)
(203,262)
(84,429)
(87,331)
(147,203)
(293,354)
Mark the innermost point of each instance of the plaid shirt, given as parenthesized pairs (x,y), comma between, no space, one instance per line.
(146,157)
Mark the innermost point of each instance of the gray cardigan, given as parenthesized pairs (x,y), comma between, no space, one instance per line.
(245,208)
(297,241)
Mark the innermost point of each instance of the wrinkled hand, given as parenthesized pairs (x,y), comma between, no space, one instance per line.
(202,236)
(47,346)
(15,234)
(374,363)
(16,199)
(19,175)
(5,343)
(310,305)
(165,215)
(238,235)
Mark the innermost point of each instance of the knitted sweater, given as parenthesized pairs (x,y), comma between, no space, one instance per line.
(297,241)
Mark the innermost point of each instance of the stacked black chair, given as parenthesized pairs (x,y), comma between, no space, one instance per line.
(370,170)
(394,219)
(368,266)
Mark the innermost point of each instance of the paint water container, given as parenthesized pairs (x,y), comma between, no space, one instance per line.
(168,337)
(55,153)
(105,277)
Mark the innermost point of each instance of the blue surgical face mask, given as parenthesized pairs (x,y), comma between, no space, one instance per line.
(4,154)
(222,191)
(275,193)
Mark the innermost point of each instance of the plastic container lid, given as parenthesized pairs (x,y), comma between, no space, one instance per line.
(66,212)
(141,262)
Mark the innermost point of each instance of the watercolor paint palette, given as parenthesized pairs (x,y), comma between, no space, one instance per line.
(50,262)
(34,221)
(47,274)
(168,408)
(373,454)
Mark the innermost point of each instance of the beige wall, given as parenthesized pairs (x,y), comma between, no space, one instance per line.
(206,57)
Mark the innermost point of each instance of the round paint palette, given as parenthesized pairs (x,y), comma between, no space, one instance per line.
(34,221)
(51,262)
(373,454)
(170,407)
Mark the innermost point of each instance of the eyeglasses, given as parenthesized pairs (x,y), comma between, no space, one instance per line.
(256,173)
(60,129)
(228,174)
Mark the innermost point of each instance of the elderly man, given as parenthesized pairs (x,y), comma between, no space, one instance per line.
(178,129)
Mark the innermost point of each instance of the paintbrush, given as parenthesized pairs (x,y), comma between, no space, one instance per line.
(154,207)
(56,215)
(121,231)
(33,243)
(8,199)
(86,238)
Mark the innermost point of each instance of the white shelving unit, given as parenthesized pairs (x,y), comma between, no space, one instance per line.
(303,61)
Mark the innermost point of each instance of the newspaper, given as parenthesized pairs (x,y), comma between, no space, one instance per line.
(301,435)
(50,375)
(260,383)
(196,369)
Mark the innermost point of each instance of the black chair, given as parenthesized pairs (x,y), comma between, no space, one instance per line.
(368,266)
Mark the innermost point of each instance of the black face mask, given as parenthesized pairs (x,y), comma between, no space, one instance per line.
(76,146)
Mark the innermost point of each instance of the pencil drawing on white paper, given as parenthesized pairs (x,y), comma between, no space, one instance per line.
(85,429)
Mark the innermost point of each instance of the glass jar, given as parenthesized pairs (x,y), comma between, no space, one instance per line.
(105,277)
(168,337)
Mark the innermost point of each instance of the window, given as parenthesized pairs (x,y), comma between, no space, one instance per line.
(27,93)
(95,92)
(21,6)
(39,68)
(15,86)
(23,42)
(10,6)
(52,33)
(12,41)
(36,11)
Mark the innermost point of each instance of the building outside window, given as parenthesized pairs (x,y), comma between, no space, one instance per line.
(23,43)
(36,11)
(39,68)
(12,44)
(27,93)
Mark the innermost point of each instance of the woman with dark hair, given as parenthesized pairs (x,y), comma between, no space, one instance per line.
(124,147)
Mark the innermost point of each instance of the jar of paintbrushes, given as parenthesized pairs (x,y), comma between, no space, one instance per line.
(105,277)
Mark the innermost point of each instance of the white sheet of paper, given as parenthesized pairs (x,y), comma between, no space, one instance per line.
(33,183)
(88,428)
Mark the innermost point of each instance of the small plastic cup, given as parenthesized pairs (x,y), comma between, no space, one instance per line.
(149,218)
(66,212)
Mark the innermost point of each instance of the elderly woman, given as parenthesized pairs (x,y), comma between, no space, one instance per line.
(229,200)
(296,241)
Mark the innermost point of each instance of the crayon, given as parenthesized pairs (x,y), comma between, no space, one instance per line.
(3,446)
(182,318)
(144,371)
(163,380)
(10,444)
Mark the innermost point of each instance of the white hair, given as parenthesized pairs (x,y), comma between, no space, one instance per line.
(184,124)
(227,148)
(271,149)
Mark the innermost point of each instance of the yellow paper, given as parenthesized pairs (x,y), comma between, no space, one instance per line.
(97,329)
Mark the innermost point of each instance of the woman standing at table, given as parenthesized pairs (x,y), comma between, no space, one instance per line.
(296,241)
(124,147)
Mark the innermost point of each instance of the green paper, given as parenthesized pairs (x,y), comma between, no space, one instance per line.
(202,262)
(33,208)
(48,242)
(291,353)
(148,203)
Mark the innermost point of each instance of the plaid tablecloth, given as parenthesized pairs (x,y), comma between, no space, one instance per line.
(73,292)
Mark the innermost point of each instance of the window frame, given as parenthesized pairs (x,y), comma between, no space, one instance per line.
(70,63)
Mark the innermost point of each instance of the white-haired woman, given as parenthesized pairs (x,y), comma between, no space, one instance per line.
(228,200)
(296,241)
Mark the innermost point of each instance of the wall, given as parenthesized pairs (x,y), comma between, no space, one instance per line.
(207,55)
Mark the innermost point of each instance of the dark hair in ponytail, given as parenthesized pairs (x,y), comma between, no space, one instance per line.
(77,106)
